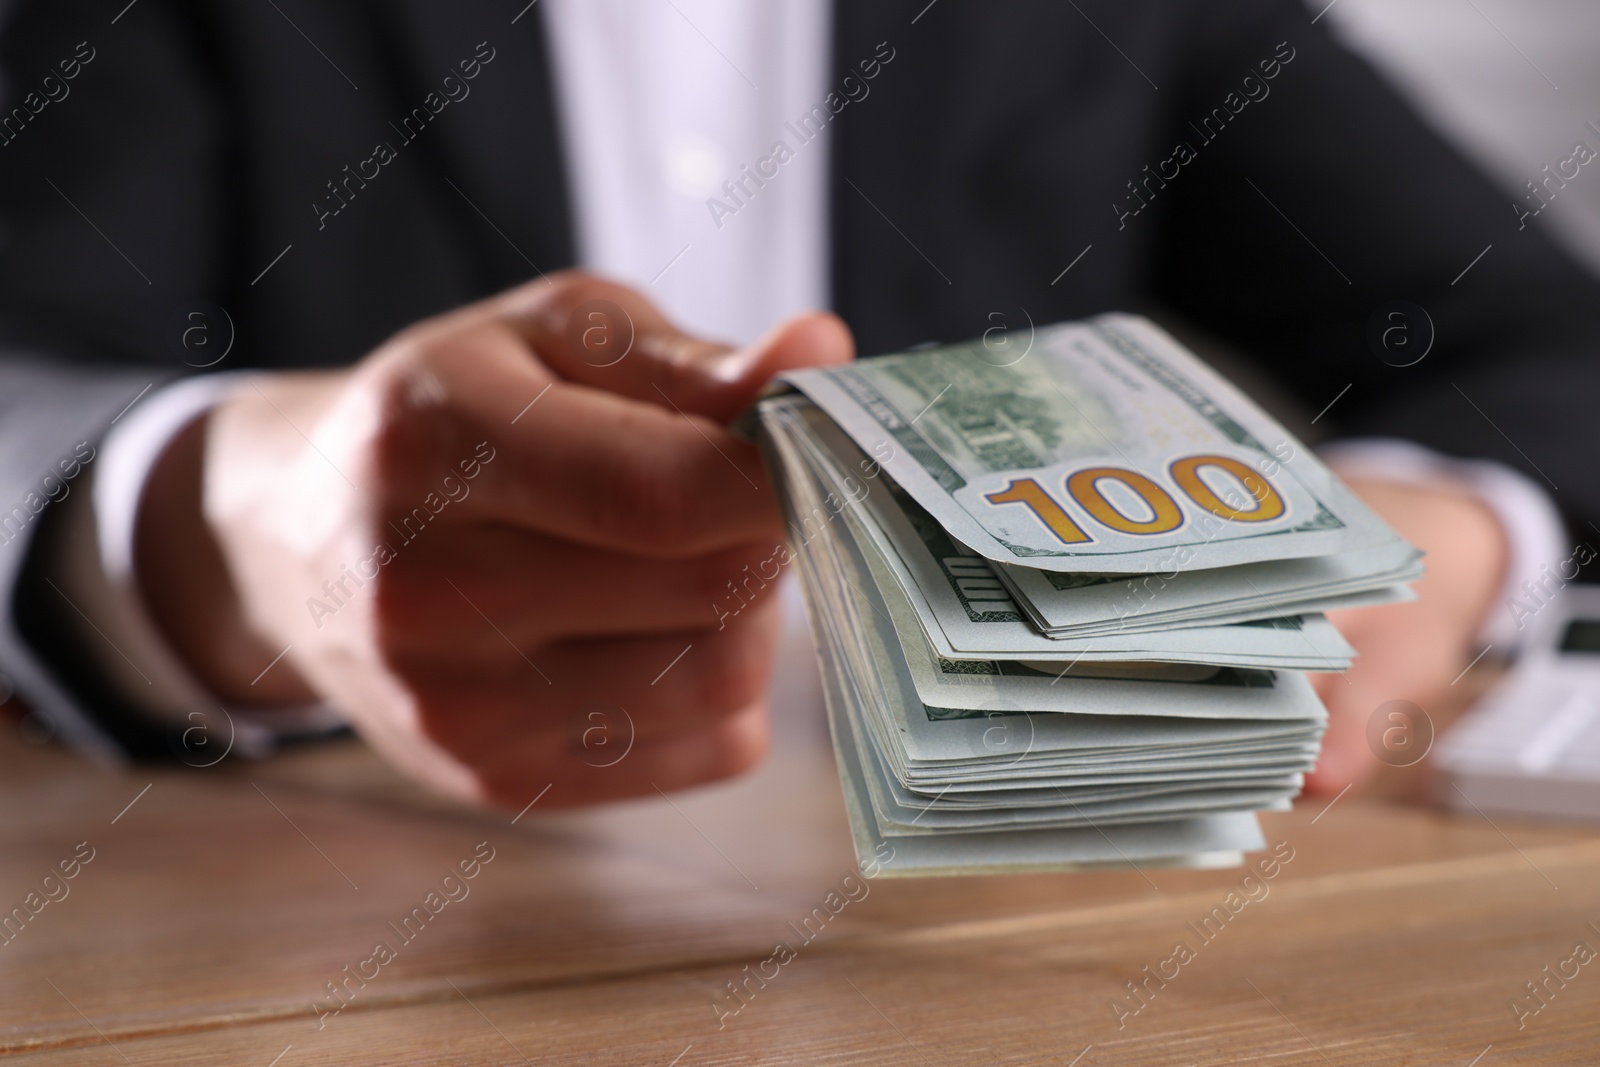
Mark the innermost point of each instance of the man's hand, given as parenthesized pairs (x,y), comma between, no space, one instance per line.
(1411,651)
(494,543)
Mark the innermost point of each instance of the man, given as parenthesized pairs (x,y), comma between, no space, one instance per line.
(468,498)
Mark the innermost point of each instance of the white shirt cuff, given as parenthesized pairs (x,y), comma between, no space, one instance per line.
(99,562)
(1536,537)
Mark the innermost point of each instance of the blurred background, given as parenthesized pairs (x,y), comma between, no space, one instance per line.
(1512,82)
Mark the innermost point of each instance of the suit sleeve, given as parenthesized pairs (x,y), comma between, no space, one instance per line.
(113,194)
(1308,202)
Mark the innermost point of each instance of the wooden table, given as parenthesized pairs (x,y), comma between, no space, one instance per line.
(221,903)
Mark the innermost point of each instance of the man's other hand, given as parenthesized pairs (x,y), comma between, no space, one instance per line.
(1412,651)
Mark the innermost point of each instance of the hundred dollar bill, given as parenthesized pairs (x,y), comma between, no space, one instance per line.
(887,829)
(1166,600)
(1107,448)
(1201,841)
(1094,605)
(1062,606)
(961,617)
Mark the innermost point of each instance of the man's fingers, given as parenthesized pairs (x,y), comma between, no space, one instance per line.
(673,680)
(628,455)
(565,459)
(605,470)
(592,698)
(607,336)
(726,748)
(536,588)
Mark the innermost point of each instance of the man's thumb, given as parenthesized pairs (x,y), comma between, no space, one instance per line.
(726,384)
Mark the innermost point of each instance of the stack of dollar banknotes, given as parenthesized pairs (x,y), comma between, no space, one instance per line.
(1064,593)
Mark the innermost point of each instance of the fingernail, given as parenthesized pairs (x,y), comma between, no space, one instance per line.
(735,366)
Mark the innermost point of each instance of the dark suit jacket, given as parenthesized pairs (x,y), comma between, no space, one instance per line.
(1223,157)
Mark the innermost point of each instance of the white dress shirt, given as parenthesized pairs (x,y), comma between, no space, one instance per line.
(661,103)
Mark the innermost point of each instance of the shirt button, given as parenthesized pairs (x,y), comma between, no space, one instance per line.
(694,166)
